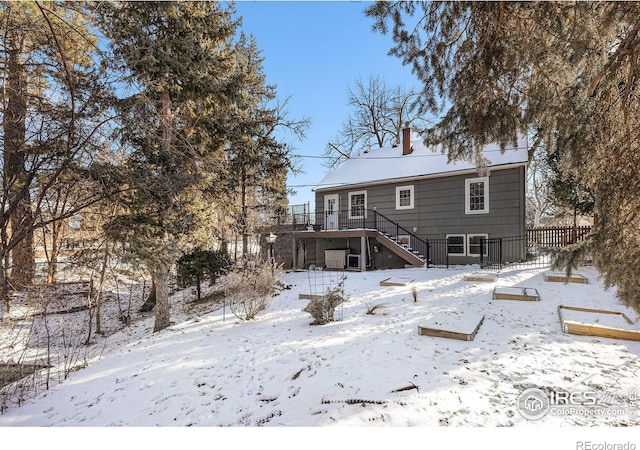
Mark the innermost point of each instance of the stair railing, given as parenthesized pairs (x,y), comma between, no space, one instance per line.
(417,245)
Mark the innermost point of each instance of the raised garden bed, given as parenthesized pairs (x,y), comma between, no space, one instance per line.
(452,325)
(516,293)
(597,322)
(561,277)
(396,281)
(302,296)
(479,276)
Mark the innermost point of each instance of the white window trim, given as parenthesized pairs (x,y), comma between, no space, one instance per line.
(467,191)
(469,236)
(464,244)
(404,188)
(351,194)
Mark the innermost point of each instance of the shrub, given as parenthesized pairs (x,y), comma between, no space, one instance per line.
(323,309)
(249,292)
(200,264)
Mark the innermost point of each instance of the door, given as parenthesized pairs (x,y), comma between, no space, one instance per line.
(331,212)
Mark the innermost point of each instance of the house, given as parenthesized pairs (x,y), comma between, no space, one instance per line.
(407,206)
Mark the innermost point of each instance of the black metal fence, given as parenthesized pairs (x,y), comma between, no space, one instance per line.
(495,253)
(517,251)
(535,249)
(299,216)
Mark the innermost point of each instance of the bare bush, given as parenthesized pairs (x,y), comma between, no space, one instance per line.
(323,309)
(249,292)
(372,309)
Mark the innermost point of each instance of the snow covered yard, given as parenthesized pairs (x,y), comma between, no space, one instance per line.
(209,369)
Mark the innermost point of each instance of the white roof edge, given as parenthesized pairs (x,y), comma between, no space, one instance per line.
(390,165)
(417,177)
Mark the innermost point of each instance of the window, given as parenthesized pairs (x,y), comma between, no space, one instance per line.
(404,197)
(456,244)
(404,239)
(357,204)
(474,241)
(477,195)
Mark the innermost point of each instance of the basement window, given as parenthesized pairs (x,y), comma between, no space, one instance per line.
(456,244)
(474,242)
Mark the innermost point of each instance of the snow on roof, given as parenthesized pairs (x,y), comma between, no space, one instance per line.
(388,164)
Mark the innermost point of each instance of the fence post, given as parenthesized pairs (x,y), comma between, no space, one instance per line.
(446,251)
(428,254)
(482,244)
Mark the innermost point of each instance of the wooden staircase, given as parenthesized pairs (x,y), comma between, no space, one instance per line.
(411,256)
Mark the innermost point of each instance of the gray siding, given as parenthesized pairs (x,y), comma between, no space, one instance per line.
(439,205)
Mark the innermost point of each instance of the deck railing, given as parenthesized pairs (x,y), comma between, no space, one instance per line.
(533,249)
(370,219)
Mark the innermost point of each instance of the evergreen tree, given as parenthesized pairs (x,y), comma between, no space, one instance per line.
(567,190)
(196,266)
(258,161)
(568,70)
(179,56)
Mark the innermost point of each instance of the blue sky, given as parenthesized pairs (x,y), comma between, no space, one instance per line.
(314,51)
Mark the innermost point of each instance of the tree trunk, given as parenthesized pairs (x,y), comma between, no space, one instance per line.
(19,199)
(161,280)
(23,265)
(54,253)
(244,217)
(103,272)
(52,259)
(5,305)
(150,302)
(161,269)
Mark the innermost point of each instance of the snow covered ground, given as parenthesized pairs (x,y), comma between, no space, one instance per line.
(365,370)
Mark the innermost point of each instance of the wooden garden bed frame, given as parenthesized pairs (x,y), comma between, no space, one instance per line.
(397,281)
(563,278)
(444,332)
(584,329)
(524,294)
(488,277)
(302,296)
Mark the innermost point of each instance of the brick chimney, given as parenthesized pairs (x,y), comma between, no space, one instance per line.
(407,148)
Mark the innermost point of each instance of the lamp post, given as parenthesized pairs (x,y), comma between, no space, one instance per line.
(271,239)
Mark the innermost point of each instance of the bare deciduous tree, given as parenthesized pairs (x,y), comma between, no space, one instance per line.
(379,113)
